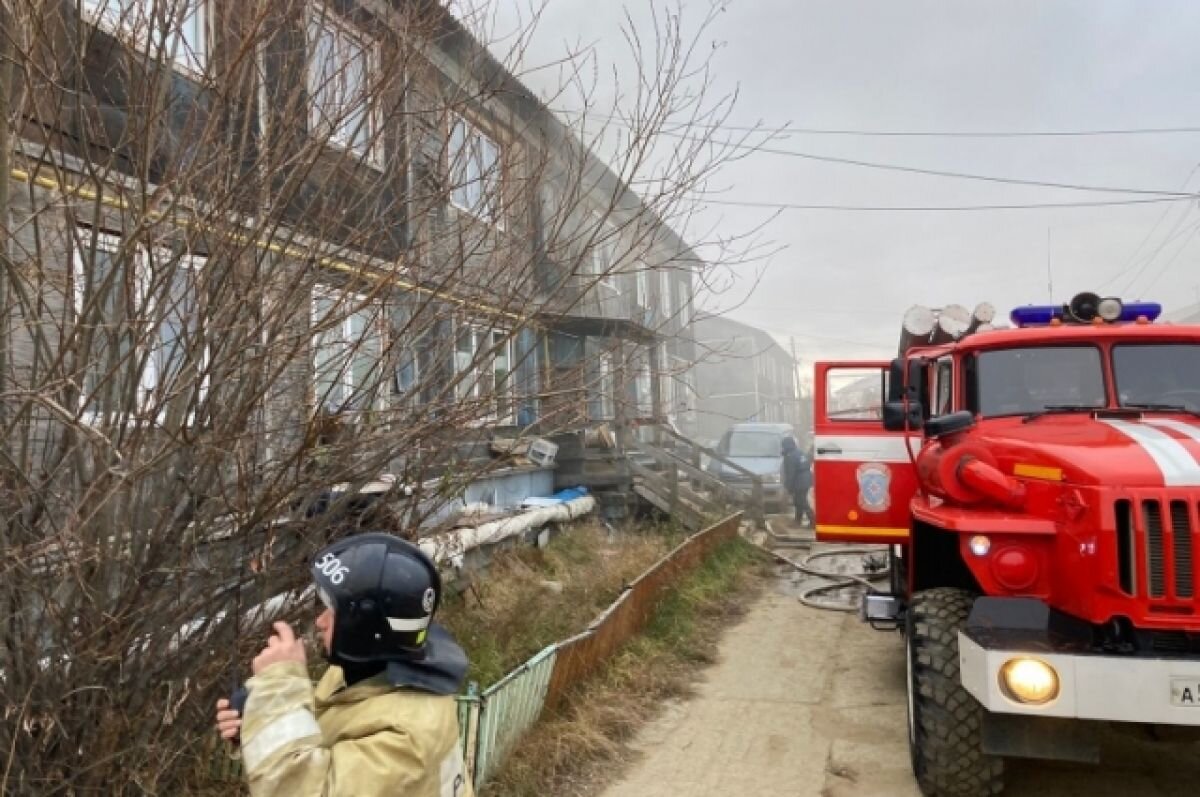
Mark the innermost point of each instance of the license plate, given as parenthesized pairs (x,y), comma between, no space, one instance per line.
(1185,692)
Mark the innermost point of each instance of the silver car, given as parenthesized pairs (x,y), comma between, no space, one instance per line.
(757,448)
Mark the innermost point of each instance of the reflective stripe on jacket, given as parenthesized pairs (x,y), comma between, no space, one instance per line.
(370,739)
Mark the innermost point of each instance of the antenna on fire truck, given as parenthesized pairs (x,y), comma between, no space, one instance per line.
(1049,271)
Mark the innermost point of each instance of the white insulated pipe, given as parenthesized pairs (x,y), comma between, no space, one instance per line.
(451,545)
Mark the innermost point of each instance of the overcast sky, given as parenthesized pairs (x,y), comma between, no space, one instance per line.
(843,279)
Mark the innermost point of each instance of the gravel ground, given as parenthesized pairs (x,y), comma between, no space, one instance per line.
(809,702)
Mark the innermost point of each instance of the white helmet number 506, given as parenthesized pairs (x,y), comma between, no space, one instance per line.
(333,568)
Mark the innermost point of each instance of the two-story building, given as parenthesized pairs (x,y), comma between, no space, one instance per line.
(254,244)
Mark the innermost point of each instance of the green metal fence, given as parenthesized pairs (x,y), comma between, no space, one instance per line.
(509,709)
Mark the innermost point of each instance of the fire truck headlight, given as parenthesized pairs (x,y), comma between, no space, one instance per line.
(980,544)
(1029,681)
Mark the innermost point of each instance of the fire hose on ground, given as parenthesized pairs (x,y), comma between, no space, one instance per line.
(870,571)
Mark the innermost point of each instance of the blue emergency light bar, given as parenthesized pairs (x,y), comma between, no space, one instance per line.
(1135,310)
(1045,314)
(1036,315)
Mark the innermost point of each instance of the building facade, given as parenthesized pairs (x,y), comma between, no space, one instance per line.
(741,374)
(257,244)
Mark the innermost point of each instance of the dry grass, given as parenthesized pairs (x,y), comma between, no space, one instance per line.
(580,749)
(529,598)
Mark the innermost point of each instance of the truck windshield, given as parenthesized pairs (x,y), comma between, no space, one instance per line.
(1030,380)
(755,444)
(1166,374)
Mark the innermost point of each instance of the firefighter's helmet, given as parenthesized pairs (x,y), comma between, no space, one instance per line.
(383,591)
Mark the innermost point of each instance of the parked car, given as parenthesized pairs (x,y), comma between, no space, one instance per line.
(757,448)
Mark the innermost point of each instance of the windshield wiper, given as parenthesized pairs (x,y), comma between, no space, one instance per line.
(1164,408)
(1054,408)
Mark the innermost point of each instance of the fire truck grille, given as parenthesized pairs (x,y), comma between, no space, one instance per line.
(1181,534)
(1155,542)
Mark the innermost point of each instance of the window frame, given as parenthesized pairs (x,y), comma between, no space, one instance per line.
(857,414)
(346,369)
(642,287)
(319,19)
(195,264)
(602,401)
(644,389)
(144,355)
(977,373)
(488,208)
(192,61)
(1122,397)
(472,387)
(603,260)
(407,350)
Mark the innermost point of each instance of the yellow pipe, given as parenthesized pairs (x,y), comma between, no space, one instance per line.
(289,251)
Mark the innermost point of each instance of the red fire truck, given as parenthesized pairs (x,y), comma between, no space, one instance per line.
(1039,490)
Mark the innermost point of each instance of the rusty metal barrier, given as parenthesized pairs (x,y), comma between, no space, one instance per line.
(580,656)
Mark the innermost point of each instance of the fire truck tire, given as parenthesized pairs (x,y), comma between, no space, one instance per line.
(945,723)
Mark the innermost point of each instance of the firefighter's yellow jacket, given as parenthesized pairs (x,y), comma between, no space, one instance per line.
(359,741)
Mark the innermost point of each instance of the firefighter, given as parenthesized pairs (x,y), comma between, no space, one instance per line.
(797,479)
(383,718)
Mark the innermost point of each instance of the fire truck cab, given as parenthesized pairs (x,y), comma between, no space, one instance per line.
(1039,491)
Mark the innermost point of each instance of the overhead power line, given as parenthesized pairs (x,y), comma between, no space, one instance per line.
(788,128)
(1133,258)
(903,168)
(812,131)
(896,167)
(940,208)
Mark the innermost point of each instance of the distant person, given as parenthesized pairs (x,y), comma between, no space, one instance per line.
(797,479)
(383,720)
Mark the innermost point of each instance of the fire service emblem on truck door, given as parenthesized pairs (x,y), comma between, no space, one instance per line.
(874,487)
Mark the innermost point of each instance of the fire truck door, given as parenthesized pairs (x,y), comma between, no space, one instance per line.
(863,476)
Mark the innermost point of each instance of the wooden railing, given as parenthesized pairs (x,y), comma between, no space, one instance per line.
(684,456)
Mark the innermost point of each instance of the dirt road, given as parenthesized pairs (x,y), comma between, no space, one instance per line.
(805,702)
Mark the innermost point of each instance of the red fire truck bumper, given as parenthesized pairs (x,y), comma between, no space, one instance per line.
(1081,685)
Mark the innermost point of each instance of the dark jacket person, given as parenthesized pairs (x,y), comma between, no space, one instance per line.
(797,479)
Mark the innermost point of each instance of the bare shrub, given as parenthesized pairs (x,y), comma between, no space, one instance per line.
(249,267)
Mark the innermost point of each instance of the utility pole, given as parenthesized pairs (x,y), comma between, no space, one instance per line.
(795,382)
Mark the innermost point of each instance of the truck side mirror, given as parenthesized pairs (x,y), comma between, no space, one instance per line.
(896,380)
(916,382)
(895,419)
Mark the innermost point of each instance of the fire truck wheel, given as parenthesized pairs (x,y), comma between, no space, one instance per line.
(945,723)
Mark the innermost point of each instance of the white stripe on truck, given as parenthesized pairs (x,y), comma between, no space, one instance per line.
(1179,468)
